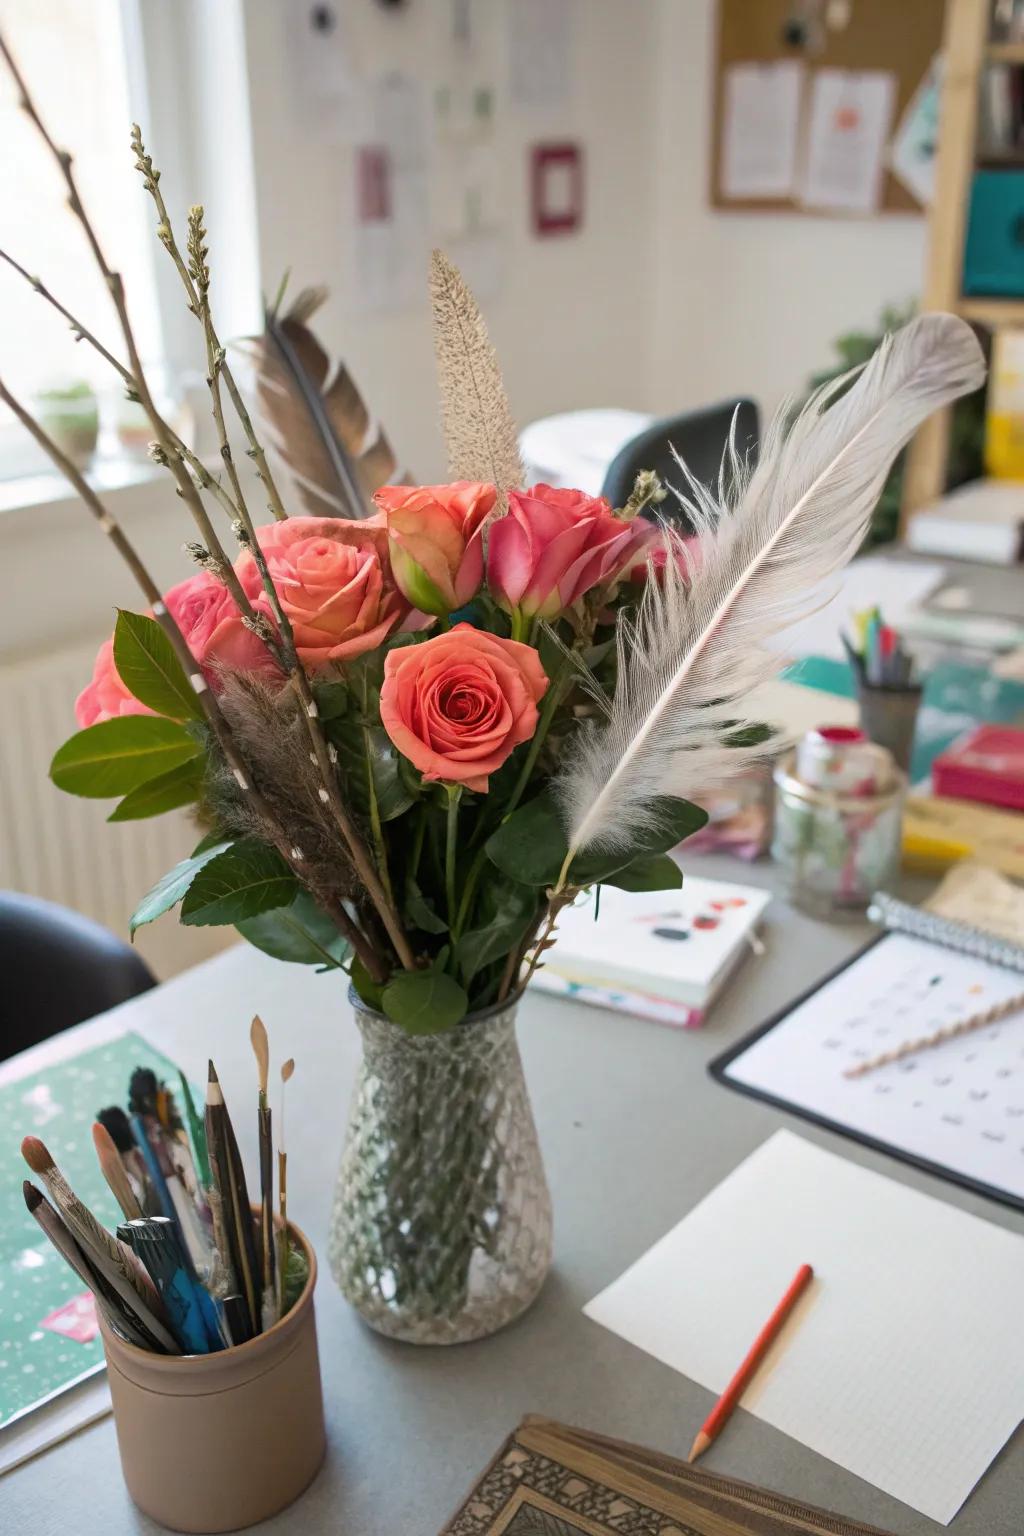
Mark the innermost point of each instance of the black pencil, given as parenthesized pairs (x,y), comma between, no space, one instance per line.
(222,1202)
(229,1177)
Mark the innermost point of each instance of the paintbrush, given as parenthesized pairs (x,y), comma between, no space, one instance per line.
(115,1120)
(282,1188)
(261,1050)
(112,1259)
(109,1303)
(228,1212)
(115,1172)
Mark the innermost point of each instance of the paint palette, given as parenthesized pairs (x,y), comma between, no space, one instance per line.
(662,954)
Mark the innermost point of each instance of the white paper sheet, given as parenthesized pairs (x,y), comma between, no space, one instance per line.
(761,129)
(847,131)
(540,44)
(391,216)
(904,1360)
(960,1104)
(914,147)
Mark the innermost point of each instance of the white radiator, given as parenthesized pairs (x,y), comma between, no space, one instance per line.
(59,846)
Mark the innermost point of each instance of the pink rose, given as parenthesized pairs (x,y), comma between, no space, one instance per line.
(435,539)
(686,550)
(106,697)
(553,546)
(211,625)
(334,581)
(458,704)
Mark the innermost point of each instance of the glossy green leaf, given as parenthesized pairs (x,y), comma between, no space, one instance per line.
(246,879)
(421,911)
(651,872)
(504,913)
(371,992)
(332,700)
(531,845)
(301,933)
(180,786)
(149,669)
(116,756)
(424,1002)
(170,888)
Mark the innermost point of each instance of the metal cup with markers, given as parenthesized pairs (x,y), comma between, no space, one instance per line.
(838,814)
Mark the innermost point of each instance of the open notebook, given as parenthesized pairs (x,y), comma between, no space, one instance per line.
(551,1480)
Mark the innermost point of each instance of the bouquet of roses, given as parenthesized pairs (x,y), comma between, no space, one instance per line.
(416,721)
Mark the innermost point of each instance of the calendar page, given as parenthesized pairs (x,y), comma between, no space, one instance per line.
(958,1106)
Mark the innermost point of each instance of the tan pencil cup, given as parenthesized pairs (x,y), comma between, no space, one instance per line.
(217,1442)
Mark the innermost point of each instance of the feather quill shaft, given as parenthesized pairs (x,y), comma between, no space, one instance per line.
(700,641)
(480,434)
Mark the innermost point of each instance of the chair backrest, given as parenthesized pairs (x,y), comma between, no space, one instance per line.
(58,968)
(699,438)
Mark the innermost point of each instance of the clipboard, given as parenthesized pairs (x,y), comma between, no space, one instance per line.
(916,1144)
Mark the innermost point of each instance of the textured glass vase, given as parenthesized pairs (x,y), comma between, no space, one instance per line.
(441,1226)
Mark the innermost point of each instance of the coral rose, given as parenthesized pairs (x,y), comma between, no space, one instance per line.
(106,697)
(435,539)
(209,620)
(334,582)
(211,624)
(554,546)
(458,704)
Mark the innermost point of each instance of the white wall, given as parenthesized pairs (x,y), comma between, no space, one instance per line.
(572,322)
(750,303)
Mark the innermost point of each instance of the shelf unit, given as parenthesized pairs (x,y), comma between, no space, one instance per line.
(966,52)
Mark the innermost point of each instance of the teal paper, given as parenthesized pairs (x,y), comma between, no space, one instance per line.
(59,1105)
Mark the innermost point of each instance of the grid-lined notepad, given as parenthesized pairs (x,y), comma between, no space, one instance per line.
(903,1362)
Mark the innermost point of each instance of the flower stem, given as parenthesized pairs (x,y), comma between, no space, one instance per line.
(450,847)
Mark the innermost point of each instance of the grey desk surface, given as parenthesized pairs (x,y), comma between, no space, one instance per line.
(634,1133)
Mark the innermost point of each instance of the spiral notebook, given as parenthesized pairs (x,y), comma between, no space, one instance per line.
(956,1109)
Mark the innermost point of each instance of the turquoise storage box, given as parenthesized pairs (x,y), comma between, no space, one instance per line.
(994,255)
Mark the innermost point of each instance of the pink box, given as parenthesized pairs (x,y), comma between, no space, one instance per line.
(987,765)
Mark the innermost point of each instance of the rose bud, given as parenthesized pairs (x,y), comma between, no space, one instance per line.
(435,541)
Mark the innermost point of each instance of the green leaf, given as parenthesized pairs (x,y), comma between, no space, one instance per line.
(149,669)
(168,791)
(170,888)
(750,736)
(116,756)
(213,839)
(366,747)
(424,1002)
(651,872)
(246,879)
(371,992)
(301,933)
(421,911)
(505,912)
(332,700)
(531,845)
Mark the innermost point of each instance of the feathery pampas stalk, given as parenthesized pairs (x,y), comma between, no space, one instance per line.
(480,435)
(699,642)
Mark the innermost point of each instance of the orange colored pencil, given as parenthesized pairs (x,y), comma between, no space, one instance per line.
(722,1411)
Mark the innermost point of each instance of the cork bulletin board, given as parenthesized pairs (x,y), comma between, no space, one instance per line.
(902,36)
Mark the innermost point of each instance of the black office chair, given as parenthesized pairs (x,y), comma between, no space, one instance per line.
(58,968)
(699,438)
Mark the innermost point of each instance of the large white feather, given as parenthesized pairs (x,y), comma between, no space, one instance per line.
(698,645)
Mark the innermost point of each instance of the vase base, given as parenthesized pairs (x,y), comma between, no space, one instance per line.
(468,1327)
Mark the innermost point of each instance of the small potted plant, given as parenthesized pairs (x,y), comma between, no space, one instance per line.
(70,413)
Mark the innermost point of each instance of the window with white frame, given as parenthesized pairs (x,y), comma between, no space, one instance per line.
(75,58)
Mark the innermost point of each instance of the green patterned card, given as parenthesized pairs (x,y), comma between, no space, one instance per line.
(58,1104)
